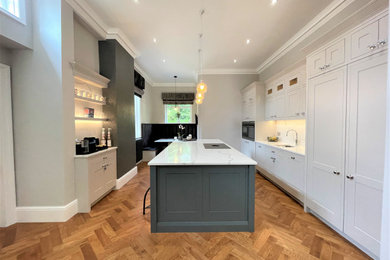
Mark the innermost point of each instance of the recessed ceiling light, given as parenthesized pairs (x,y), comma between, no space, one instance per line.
(136,1)
(164,60)
(248,41)
(154,40)
(235,61)
(274,2)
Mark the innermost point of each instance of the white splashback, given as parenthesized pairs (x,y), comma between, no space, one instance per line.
(282,126)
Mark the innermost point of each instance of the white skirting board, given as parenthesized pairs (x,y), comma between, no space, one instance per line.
(126,178)
(47,213)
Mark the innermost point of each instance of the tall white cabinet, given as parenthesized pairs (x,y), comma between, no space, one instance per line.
(326,145)
(346,133)
(366,128)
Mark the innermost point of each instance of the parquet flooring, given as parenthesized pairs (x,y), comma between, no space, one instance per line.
(116,229)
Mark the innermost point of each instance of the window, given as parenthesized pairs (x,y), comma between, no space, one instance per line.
(171,114)
(137,112)
(11,6)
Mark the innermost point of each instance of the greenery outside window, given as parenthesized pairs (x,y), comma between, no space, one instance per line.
(183,114)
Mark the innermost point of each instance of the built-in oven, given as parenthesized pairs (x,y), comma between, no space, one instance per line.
(248,130)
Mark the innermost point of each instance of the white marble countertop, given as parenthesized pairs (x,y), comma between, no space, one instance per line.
(165,140)
(194,153)
(95,153)
(300,149)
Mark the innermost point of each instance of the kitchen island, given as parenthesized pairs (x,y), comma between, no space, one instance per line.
(202,186)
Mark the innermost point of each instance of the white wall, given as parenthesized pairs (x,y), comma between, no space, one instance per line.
(220,114)
(86,53)
(43,109)
(5,56)
(86,47)
(19,34)
(152,107)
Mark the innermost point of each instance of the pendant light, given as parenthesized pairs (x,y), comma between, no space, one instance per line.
(176,108)
(201,87)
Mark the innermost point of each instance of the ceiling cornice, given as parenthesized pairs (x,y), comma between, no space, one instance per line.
(228,71)
(186,85)
(92,19)
(324,16)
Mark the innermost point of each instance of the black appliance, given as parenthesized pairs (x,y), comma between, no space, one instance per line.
(87,145)
(248,130)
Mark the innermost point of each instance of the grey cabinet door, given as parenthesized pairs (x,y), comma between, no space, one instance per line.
(179,193)
(225,193)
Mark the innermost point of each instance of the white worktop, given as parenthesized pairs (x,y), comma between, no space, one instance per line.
(95,153)
(300,149)
(194,153)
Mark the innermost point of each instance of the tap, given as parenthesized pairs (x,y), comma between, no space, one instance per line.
(296,135)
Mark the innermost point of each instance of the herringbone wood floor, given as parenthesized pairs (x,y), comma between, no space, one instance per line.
(116,229)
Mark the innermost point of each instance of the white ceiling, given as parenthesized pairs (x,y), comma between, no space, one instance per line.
(227,24)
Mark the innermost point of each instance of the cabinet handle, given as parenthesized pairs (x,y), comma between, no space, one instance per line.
(327,66)
(273,159)
(292,158)
(381,43)
(272,151)
(322,68)
(303,113)
(337,173)
(372,47)
(297,114)
(350,177)
(104,158)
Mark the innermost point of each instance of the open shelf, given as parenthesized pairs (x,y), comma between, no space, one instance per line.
(86,76)
(90,100)
(91,118)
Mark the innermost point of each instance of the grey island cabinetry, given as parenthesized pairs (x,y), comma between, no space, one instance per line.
(202,186)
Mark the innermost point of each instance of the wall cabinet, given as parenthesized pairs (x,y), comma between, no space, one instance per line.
(248,148)
(95,177)
(326,59)
(286,166)
(249,103)
(286,97)
(369,39)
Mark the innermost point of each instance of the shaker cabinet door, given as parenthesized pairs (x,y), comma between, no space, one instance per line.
(326,145)
(365,150)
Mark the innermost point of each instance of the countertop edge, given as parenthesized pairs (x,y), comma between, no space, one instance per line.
(280,148)
(83,156)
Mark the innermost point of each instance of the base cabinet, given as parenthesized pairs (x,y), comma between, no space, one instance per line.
(95,177)
(287,167)
(248,148)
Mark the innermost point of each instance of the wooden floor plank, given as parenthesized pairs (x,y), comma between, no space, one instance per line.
(116,229)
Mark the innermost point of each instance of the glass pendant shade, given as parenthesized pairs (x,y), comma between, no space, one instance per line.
(199,101)
(199,95)
(202,87)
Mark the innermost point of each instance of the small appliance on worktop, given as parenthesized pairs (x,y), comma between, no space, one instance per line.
(89,145)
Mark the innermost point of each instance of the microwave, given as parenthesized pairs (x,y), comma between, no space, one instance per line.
(248,130)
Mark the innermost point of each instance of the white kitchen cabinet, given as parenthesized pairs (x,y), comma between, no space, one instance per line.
(248,148)
(95,177)
(365,150)
(286,96)
(327,58)
(249,103)
(326,145)
(286,167)
(369,39)
(296,103)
